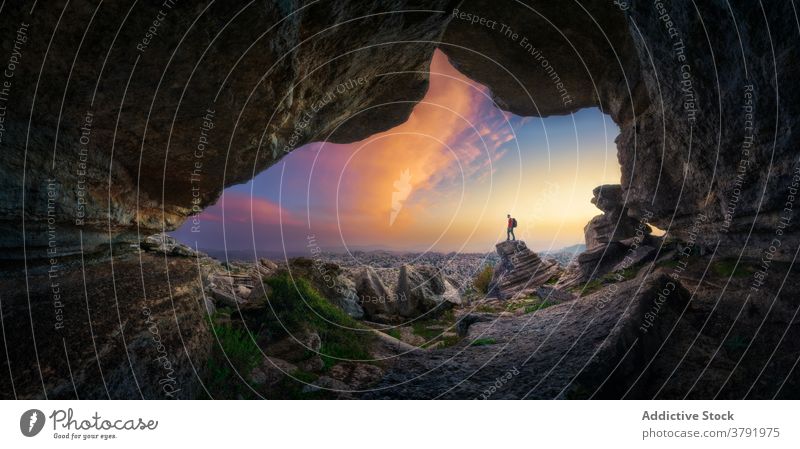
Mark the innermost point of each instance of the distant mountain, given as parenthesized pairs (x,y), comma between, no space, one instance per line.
(564,255)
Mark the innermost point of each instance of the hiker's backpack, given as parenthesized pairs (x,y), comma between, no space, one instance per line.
(513,222)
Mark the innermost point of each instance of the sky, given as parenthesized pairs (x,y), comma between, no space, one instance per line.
(442,181)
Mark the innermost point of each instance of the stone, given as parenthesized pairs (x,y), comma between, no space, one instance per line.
(420,289)
(271,371)
(225,298)
(356,375)
(614,224)
(376,300)
(464,322)
(520,271)
(640,254)
(311,364)
(328,385)
(296,347)
(331,280)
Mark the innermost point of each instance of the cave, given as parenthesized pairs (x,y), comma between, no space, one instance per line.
(112,135)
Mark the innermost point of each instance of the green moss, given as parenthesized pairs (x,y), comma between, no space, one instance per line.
(433,330)
(542,304)
(483,342)
(291,387)
(729,268)
(552,281)
(394,332)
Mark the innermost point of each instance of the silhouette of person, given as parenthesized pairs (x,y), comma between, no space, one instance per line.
(510,232)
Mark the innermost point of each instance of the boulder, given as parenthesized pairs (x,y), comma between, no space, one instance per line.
(271,371)
(420,289)
(332,281)
(163,243)
(374,297)
(296,347)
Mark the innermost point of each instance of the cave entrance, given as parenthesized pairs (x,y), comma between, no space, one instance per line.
(443,181)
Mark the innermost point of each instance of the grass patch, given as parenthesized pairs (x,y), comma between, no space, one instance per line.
(483,342)
(728,268)
(394,332)
(552,281)
(235,352)
(608,278)
(432,330)
(538,306)
(294,305)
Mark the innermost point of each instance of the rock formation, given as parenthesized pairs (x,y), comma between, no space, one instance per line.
(378,302)
(331,280)
(520,271)
(614,240)
(613,224)
(423,289)
(108,137)
(137,168)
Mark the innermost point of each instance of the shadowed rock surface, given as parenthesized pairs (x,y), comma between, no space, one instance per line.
(642,338)
(115,339)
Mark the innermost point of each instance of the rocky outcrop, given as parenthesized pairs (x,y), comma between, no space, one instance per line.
(614,240)
(520,271)
(330,279)
(376,300)
(422,290)
(702,131)
(614,224)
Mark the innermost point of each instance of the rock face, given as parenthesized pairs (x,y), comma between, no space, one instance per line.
(520,271)
(110,338)
(139,135)
(636,339)
(376,300)
(614,240)
(686,128)
(614,224)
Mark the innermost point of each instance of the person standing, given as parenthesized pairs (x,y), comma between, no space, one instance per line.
(512,223)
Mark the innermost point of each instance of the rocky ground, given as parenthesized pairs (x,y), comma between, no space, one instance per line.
(314,329)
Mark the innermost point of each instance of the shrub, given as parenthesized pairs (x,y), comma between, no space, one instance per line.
(483,279)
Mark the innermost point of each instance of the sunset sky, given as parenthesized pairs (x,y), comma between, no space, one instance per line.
(456,168)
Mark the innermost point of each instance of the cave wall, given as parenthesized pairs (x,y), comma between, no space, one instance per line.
(113,130)
(702,93)
(252,83)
